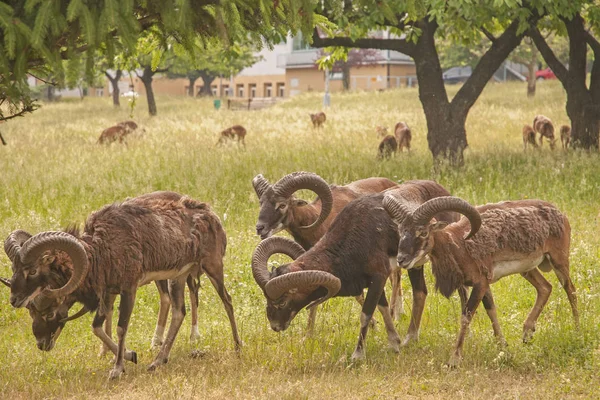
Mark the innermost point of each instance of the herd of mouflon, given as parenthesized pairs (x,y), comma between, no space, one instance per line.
(351,238)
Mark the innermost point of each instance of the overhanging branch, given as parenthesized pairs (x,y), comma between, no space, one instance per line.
(553,62)
(488,34)
(400,45)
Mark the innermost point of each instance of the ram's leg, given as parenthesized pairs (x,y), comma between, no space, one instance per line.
(560,264)
(479,290)
(194,286)
(214,271)
(163,312)
(393,337)
(463,294)
(108,324)
(419,289)
(490,308)
(543,288)
(374,293)
(361,300)
(107,341)
(125,310)
(177,296)
(396,299)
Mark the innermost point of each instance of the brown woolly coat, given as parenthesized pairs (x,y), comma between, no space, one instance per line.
(519,226)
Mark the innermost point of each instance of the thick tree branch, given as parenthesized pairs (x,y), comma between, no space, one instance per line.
(553,62)
(400,45)
(486,67)
(592,42)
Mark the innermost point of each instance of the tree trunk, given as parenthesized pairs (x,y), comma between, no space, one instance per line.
(115,86)
(147,81)
(2,139)
(207,80)
(50,93)
(532,68)
(446,133)
(346,76)
(191,88)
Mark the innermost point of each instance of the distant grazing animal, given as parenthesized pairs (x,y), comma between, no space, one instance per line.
(403,136)
(308,222)
(157,236)
(131,125)
(387,147)
(318,119)
(493,241)
(382,131)
(231,133)
(113,134)
(565,136)
(543,125)
(528,137)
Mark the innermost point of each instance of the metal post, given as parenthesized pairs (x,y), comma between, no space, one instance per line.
(326,97)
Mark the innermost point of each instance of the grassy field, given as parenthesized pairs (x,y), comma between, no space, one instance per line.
(53,173)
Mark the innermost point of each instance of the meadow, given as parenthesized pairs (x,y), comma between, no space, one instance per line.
(54,173)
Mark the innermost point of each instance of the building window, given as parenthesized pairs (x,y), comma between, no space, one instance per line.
(300,43)
(268,90)
(252,90)
(280,89)
(99,92)
(225,90)
(240,90)
(214,90)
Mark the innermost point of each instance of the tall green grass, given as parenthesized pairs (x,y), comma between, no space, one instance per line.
(54,173)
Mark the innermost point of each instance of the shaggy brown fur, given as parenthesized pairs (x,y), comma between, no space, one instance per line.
(565,136)
(387,147)
(231,133)
(522,229)
(528,137)
(543,125)
(131,125)
(403,135)
(318,119)
(113,134)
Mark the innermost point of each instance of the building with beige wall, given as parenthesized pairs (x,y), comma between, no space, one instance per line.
(287,70)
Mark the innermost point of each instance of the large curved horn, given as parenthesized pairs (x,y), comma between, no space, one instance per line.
(291,183)
(14,241)
(260,185)
(427,210)
(397,210)
(5,281)
(279,285)
(38,244)
(265,249)
(84,310)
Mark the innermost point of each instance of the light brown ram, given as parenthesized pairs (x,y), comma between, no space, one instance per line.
(493,241)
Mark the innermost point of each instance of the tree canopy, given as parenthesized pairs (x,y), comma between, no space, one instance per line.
(37,36)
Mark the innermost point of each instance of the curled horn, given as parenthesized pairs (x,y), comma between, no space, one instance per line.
(398,211)
(84,310)
(291,183)
(279,285)
(260,185)
(5,281)
(38,244)
(427,210)
(266,249)
(14,241)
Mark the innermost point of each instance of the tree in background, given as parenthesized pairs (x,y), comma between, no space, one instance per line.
(37,36)
(416,27)
(210,61)
(354,58)
(579,21)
